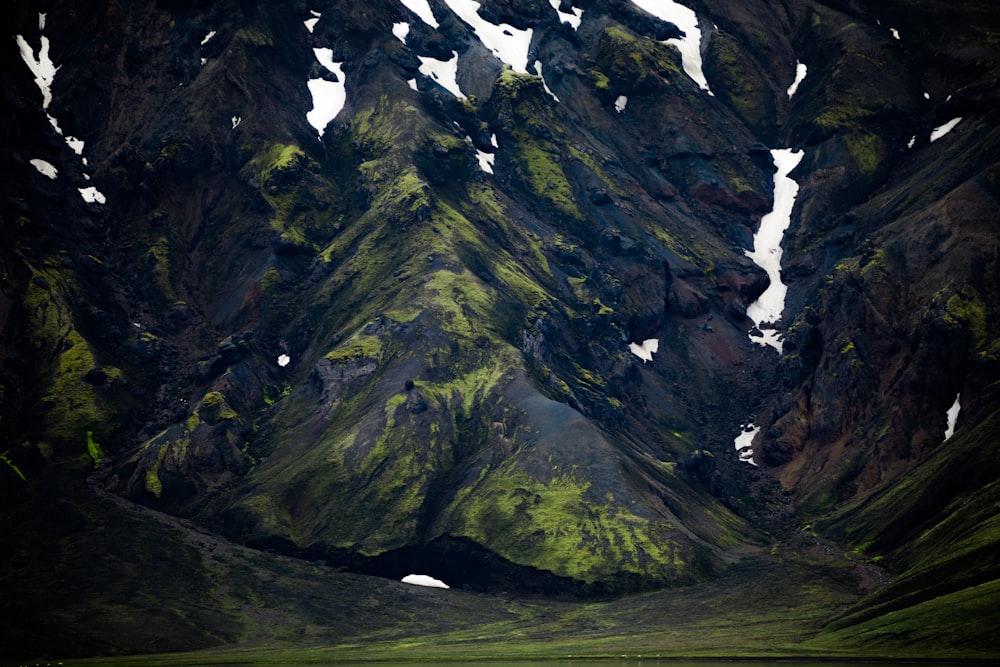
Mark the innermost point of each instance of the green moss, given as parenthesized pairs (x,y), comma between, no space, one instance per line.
(94,449)
(556,526)
(256,36)
(13,466)
(867,151)
(360,346)
(738,81)
(545,173)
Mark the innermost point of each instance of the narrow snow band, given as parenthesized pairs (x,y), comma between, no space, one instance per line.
(424,580)
(423,11)
(744,442)
(690,44)
(767,309)
(953,417)
(942,130)
(800,75)
(44,168)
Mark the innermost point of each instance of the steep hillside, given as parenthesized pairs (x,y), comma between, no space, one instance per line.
(402,287)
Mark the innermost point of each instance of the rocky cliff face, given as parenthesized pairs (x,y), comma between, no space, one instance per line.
(400,338)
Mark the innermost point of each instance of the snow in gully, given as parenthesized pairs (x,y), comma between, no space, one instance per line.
(44,71)
(765,312)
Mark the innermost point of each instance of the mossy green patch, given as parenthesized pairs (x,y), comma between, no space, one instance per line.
(556,526)
(738,82)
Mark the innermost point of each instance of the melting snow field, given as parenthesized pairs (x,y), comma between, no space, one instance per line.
(507,43)
(800,75)
(767,249)
(942,130)
(423,580)
(953,417)
(646,350)
(690,44)
(328,97)
(744,442)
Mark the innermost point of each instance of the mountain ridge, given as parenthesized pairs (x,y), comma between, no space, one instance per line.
(459,390)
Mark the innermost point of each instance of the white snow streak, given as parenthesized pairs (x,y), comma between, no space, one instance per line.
(45,168)
(767,309)
(953,417)
(744,442)
(44,71)
(800,75)
(422,9)
(423,580)
(942,130)
(690,44)
(538,70)
(207,37)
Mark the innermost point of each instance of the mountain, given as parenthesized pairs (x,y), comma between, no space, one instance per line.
(653,307)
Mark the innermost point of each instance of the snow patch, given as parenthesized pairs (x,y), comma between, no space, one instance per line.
(912,141)
(953,417)
(895,33)
(310,24)
(207,37)
(329,97)
(42,67)
(412,83)
(284,360)
(423,11)
(942,130)
(744,442)
(485,160)
(507,43)
(401,30)
(44,71)
(44,168)
(646,350)
(445,72)
(800,75)
(690,44)
(620,103)
(573,19)
(423,580)
(538,70)
(236,120)
(767,309)
(92,195)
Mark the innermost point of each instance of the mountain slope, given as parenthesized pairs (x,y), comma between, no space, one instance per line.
(401,341)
